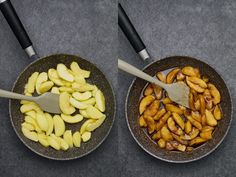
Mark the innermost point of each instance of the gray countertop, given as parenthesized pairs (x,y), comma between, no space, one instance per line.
(202,29)
(85,28)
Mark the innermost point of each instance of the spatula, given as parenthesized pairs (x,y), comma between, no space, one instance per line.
(177,92)
(48,102)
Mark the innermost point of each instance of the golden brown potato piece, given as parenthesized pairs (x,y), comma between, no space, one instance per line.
(217,113)
(156,136)
(189,149)
(215,93)
(178,120)
(202,105)
(162,121)
(196,141)
(161,143)
(197,105)
(157,91)
(148,90)
(178,146)
(206,135)
(165,134)
(169,147)
(152,109)
(195,94)
(205,79)
(172,75)
(171,124)
(196,116)
(150,124)
(188,127)
(191,101)
(195,87)
(177,138)
(204,120)
(189,71)
(210,118)
(142,122)
(194,122)
(207,128)
(145,102)
(180,76)
(179,131)
(166,100)
(172,108)
(207,93)
(193,134)
(159,114)
(198,81)
(161,76)
(208,102)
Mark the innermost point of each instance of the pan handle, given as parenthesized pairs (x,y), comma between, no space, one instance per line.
(18,29)
(131,33)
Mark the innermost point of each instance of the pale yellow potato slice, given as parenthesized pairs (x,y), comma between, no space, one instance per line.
(42,121)
(83,87)
(86,136)
(67,136)
(85,124)
(93,112)
(77,139)
(33,122)
(32,82)
(55,90)
(90,101)
(64,73)
(78,71)
(100,100)
(43,77)
(28,126)
(50,123)
(29,134)
(94,91)
(92,126)
(54,77)
(63,144)
(45,86)
(59,125)
(72,119)
(66,89)
(53,143)
(77,104)
(84,113)
(64,102)
(31,114)
(29,107)
(82,96)
(43,139)
(80,79)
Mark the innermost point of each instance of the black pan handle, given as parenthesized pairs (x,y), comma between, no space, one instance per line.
(18,29)
(131,34)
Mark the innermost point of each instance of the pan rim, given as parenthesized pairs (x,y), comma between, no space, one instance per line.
(70,158)
(168,160)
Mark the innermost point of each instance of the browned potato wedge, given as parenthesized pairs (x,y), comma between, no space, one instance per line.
(178,146)
(193,86)
(169,146)
(189,71)
(208,103)
(145,102)
(189,149)
(172,108)
(215,93)
(166,100)
(204,122)
(197,81)
(205,79)
(197,105)
(157,91)
(150,124)
(159,114)
(210,118)
(217,113)
(161,143)
(207,93)
(195,94)
(161,76)
(152,109)
(142,122)
(202,105)
(194,122)
(165,134)
(162,121)
(188,127)
(148,90)
(171,124)
(196,116)
(191,102)
(172,75)
(177,138)
(193,134)
(180,76)
(178,120)
(156,136)
(179,131)
(196,141)
(206,135)
(207,128)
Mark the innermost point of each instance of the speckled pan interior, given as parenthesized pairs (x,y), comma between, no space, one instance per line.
(97,78)
(141,137)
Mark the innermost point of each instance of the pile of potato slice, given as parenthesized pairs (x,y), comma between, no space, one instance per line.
(173,126)
(78,100)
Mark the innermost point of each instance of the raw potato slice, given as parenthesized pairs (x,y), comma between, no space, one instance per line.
(46,86)
(29,107)
(80,79)
(92,126)
(77,139)
(83,87)
(84,113)
(59,125)
(82,96)
(28,126)
(42,121)
(43,139)
(72,119)
(86,136)
(100,101)
(55,90)
(145,102)
(30,135)
(63,144)
(54,77)
(77,104)
(210,118)
(93,112)
(64,102)
(53,143)
(64,73)
(68,138)
(31,114)
(66,89)
(43,77)
(32,82)
(50,123)
(78,71)
(90,101)
(33,122)
(84,126)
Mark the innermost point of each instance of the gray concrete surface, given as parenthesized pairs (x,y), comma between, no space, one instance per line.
(85,28)
(202,29)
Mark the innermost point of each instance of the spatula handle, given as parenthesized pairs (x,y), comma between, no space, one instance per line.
(12,95)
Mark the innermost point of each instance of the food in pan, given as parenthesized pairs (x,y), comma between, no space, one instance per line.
(173,126)
(78,101)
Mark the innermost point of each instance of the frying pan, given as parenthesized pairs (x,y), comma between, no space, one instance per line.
(43,64)
(136,88)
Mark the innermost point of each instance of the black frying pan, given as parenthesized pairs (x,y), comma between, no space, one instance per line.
(43,64)
(136,89)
